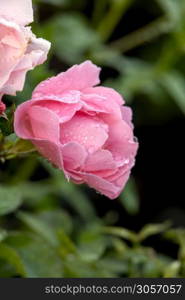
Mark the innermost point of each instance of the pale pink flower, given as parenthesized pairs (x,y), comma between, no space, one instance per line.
(84,130)
(20,50)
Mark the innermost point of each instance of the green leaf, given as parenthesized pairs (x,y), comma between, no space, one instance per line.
(174,83)
(34,192)
(137,75)
(129,198)
(66,244)
(39,227)
(115,266)
(23,147)
(13,147)
(152,229)
(172,270)
(143,262)
(3,234)
(76,38)
(39,258)
(172,9)
(7,270)
(75,268)
(5,126)
(178,237)
(47,223)
(91,243)
(121,232)
(10,199)
(77,200)
(56,220)
(12,257)
(71,193)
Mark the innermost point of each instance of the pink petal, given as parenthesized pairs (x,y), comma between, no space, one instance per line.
(109,93)
(36,54)
(64,111)
(22,123)
(101,185)
(74,156)
(78,77)
(100,160)
(120,142)
(105,173)
(87,131)
(19,11)
(12,45)
(101,99)
(122,180)
(120,171)
(121,177)
(51,151)
(38,48)
(127,115)
(44,123)
(17,56)
(75,176)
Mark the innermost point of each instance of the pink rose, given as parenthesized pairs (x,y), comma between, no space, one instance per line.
(20,50)
(83,130)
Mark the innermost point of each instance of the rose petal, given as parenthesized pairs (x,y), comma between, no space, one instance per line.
(120,142)
(39,47)
(44,123)
(51,151)
(74,156)
(127,115)
(107,100)
(12,46)
(36,54)
(88,132)
(100,160)
(19,11)
(106,188)
(107,93)
(78,77)
(64,111)
(120,178)
(22,123)
(17,56)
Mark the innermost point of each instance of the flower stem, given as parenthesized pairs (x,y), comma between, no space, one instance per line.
(110,21)
(142,35)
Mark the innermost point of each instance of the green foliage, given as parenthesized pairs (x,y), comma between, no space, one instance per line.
(46,247)
(6,123)
(10,199)
(129,198)
(76,38)
(51,228)
(36,255)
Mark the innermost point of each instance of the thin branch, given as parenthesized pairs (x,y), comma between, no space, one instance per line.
(143,35)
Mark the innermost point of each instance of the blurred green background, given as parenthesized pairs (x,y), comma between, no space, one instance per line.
(51,228)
